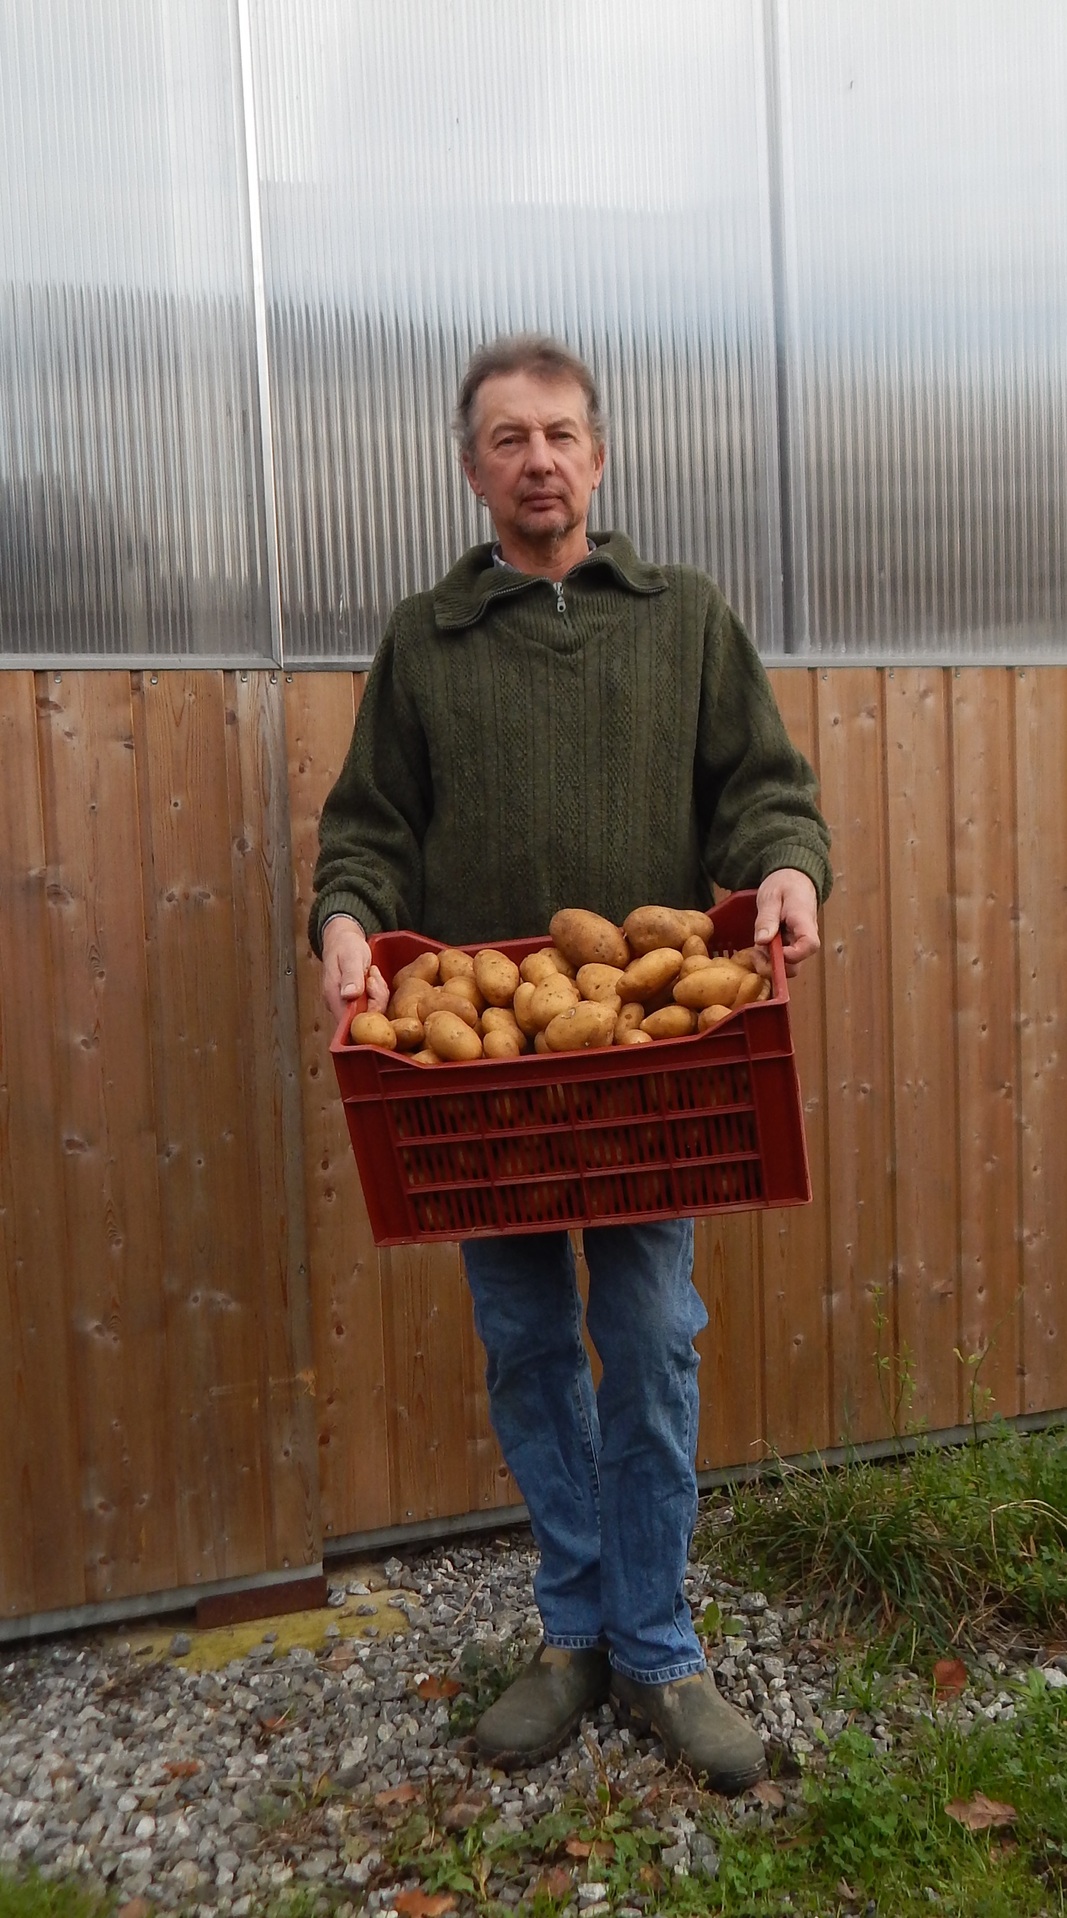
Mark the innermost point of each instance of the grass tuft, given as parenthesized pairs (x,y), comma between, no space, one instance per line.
(29,1895)
(952,1547)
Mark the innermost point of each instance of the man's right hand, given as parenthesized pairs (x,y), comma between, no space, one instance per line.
(346,968)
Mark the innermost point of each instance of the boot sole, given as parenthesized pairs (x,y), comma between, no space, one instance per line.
(729,1784)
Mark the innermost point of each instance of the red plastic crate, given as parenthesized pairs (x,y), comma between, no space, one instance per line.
(708,1123)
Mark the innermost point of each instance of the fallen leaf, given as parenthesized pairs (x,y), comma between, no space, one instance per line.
(769,1794)
(134,1908)
(435,1687)
(950,1678)
(182,1767)
(339,1660)
(980,1813)
(556,1882)
(396,1795)
(464,1812)
(272,1725)
(589,1848)
(421,1904)
(844,1889)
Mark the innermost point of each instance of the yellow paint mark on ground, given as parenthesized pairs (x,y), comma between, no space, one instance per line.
(214,1648)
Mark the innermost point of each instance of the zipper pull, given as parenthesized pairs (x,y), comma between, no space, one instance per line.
(561,604)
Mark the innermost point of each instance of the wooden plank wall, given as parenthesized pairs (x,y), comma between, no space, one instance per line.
(156,1395)
(206,1367)
(929,1036)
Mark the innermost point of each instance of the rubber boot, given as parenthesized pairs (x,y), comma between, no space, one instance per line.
(696,1727)
(538,1712)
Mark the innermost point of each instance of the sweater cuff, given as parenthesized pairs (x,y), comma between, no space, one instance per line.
(331,905)
(802,859)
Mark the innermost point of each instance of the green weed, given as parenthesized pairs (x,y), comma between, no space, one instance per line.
(949,1547)
(31,1896)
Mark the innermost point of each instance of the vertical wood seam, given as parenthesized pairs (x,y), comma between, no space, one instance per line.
(824,1105)
(891,1372)
(1012,677)
(952,675)
(46,808)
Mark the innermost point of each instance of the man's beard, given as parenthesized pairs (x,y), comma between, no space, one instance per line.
(549,535)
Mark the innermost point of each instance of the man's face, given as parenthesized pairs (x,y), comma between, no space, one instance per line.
(534,460)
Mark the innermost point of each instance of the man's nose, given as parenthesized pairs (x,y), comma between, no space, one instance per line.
(538,453)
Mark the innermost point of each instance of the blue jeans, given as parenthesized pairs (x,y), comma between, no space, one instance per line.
(609,1476)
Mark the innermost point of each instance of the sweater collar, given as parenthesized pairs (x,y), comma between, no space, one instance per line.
(465,594)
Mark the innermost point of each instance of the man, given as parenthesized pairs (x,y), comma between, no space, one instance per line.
(559,723)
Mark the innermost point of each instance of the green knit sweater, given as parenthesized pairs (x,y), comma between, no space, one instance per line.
(518,750)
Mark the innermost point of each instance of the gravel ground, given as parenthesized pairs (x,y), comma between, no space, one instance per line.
(218,1790)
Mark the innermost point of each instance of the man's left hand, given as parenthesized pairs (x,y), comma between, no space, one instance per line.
(788,903)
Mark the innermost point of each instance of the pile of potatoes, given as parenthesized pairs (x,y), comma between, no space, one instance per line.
(597,984)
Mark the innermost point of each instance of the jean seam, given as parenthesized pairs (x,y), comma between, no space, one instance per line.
(587,1432)
(574,1642)
(663,1675)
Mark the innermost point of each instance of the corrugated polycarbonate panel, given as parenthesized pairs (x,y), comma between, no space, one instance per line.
(435,172)
(923,305)
(131,490)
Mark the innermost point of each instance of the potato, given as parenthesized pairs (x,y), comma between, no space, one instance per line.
(541,1043)
(599,982)
(698,925)
(695,948)
(670,1022)
(521,1008)
(650,974)
(410,999)
(451,1038)
(633,1037)
(754,959)
(452,963)
(712,985)
(500,1019)
(540,965)
(443,999)
(586,1024)
(424,1058)
(712,1016)
(749,989)
(555,995)
(694,963)
(496,976)
(649,927)
(463,985)
(423,966)
(500,1042)
(409,1033)
(628,1018)
(372,1029)
(586,939)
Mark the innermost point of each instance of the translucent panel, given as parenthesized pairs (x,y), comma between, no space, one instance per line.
(595,168)
(924,309)
(131,489)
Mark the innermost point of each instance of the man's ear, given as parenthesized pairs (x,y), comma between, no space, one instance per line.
(471,475)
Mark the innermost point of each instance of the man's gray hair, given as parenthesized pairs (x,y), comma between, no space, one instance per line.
(536,353)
